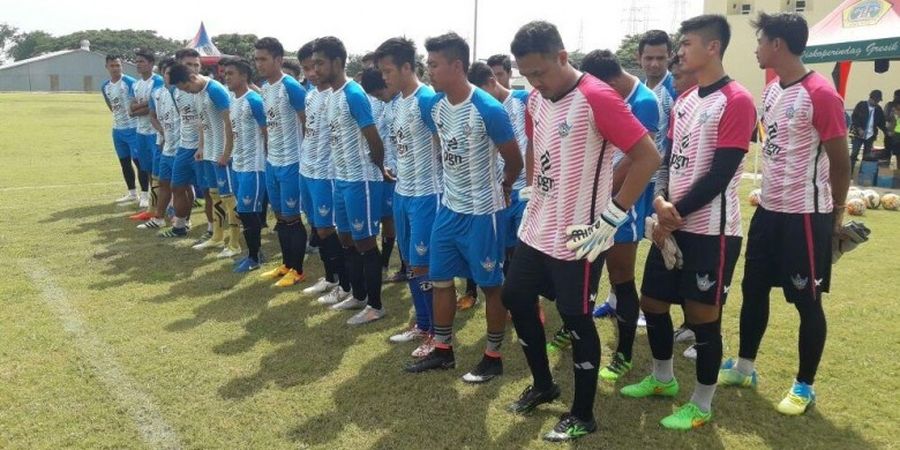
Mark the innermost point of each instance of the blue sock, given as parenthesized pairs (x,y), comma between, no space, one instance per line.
(420,287)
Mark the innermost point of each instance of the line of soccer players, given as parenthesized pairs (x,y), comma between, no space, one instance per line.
(526,194)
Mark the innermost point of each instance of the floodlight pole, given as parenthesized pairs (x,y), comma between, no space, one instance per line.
(475,40)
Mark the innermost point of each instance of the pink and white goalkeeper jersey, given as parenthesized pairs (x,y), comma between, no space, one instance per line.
(573,139)
(798,118)
(720,119)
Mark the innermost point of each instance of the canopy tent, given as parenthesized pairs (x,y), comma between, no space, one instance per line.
(209,53)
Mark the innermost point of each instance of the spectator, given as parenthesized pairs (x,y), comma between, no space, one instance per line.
(892,131)
(866,119)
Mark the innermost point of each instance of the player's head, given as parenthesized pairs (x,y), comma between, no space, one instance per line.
(779,37)
(114,65)
(238,73)
(329,58)
(368,60)
(604,65)
(681,80)
(268,54)
(190,58)
(374,85)
(703,41)
(144,60)
(501,65)
(291,68)
(542,57)
(396,59)
(305,56)
(422,72)
(163,68)
(481,75)
(654,51)
(448,59)
(185,79)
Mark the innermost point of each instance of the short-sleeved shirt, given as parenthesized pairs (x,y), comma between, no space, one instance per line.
(665,97)
(795,168)
(143,92)
(349,111)
(283,100)
(162,103)
(470,132)
(724,117)
(315,156)
(119,95)
(247,117)
(211,101)
(189,119)
(419,171)
(642,103)
(515,107)
(573,140)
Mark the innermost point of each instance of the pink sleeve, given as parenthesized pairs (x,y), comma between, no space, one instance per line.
(611,117)
(828,113)
(737,121)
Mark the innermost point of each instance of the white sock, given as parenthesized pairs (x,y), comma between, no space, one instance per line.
(132,192)
(662,370)
(209,227)
(611,299)
(145,195)
(703,395)
(744,366)
(178,222)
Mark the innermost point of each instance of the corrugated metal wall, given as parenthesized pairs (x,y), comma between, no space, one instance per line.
(80,71)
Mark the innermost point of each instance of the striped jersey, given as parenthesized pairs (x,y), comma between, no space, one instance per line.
(162,103)
(515,107)
(247,117)
(349,111)
(573,140)
(143,91)
(211,101)
(384,122)
(470,132)
(723,117)
(283,100)
(795,168)
(119,95)
(315,156)
(665,97)
(189,119)
(419,171)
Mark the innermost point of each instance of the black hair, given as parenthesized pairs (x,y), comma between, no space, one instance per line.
(602,64)
(655,37)
(179,73)
(372,81)
(500,60)
(186,53)
(452,46)
(332,48)
(146,54)
(291,65)
(674,62)
(713,27)
(420,69)
(112,57)
(368,57)
(876,95)
(306,51)
(271,45)
(536,37)
(789,27)
(164,64)
(401,51)
(242,65)
(480,73)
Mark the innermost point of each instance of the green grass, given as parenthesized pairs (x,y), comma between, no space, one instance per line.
(230,362)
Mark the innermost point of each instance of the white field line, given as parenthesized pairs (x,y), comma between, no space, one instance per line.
(55,186)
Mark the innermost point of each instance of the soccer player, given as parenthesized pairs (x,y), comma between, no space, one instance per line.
(805,177)
(146,135)
(285,103)
(317,185)
(164,118)
(710,135)
(118,92)
(574,122)
(467,239)
(292,69)
(419,182)
(501,66)
(358,157)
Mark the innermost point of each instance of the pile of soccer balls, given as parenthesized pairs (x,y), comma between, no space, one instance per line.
(858,200)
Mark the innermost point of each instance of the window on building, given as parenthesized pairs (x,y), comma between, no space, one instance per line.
(743,8)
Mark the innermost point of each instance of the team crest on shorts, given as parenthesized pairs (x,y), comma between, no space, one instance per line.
(358,225)
(291,203)
(247,200)
(324,210)
(221,182)
(489,264)
(421,249)
(564,129)
(704,284)
(800,282)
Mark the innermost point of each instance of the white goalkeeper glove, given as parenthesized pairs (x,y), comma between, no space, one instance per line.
(591,240)
(671,254)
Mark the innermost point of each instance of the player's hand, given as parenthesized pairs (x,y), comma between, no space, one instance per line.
(668,247)
(198,155)
(525,194)
(591,240)
(667,215)
(388,175)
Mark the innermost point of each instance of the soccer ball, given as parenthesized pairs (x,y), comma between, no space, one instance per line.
(854,192)
(754,197)
(856,207)
(890,202)
(872,199)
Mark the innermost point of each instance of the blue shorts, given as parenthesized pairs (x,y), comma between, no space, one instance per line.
(633,228)
(224,178)
(184,169)
(357,207)
(414,220)
(467,246)
(387,193)
(166,165)
(125,142)
(146,144)
(157,157)
(250,191)
(512,217)
(318,201)
(283,189)
(200,177)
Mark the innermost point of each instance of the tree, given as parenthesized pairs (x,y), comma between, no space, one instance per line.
(354,65)
(121,42)
(7,32)
(26,45)
(236,44)
(627,52)
(575,58)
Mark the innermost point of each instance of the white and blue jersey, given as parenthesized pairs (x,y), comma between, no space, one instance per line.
(349,111)
(143,92)
(315,158)
(211,101)
(665,96)
(385,124)
(162,103)
(418,160)
(470,133)
(119,96)
(189,118)
(283,100)
(247,118)
(515,107)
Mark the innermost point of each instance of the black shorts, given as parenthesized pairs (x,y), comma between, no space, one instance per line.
(792,251)
(705,276)
(572,284)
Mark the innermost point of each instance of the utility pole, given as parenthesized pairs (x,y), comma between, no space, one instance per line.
(475,40)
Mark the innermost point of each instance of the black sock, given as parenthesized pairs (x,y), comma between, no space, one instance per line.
(251,234)
(403,267)
(264,214)
(813,330)
(531,335)
(127,172)
(297,233)
(314,239)
(754,319)
(709,351)
(355,273)
(626,317)
(387,247)
(471,287)
(144,180)
(372,270)
(660,334)
(333,259)
(586,358)
(284,240)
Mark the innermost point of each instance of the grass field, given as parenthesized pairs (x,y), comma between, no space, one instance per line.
(112,338)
